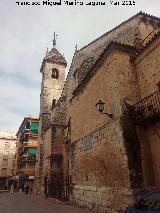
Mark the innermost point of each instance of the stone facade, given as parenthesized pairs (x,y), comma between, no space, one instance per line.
(148,67)
(98,158)
(26,150)
(53,77)
(106,158)
(7,159)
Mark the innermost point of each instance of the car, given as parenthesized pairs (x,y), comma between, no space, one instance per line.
(148,203)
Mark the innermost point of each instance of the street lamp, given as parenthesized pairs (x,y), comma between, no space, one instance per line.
(100,107)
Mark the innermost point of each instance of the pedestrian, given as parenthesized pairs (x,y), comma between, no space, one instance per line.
(31,190)
(12,189)
(42,190)
(20,189)
(45,192)
(26,188)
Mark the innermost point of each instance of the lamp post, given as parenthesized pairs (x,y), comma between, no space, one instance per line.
(100,107)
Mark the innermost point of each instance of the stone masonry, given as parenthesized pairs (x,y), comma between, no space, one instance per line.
(105,159)
(53,74)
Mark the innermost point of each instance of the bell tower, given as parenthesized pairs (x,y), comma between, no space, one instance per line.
(53,77)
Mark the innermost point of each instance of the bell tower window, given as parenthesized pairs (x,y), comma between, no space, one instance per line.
(53,103)
(55,73)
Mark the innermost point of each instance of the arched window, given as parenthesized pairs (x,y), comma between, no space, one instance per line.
(55,73)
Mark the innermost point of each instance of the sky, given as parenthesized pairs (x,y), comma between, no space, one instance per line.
(27,31)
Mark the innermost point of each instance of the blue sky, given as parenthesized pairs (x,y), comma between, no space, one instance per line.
(27,31)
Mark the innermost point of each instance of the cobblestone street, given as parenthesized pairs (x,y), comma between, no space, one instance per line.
(16,203)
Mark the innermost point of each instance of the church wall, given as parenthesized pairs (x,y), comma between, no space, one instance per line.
(47,151)
(98,157)
(105,160)
(129,33)
(148,73)
(150,148)
(57,140)
(60,116)
(148,69)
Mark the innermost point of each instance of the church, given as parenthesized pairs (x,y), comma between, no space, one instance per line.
(99,135)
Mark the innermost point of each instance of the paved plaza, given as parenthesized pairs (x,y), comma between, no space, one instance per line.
(17,203)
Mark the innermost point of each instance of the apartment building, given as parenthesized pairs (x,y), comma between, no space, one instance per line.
(27,137)
(7,159)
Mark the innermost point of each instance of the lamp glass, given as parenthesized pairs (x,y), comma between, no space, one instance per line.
(100,106)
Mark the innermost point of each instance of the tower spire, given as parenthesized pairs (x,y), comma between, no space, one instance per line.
(47,52)
(54,40)
(76,48)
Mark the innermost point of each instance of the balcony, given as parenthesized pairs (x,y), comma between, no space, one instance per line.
(30,144)
(29,172)
(28,158)
(4,175)
(28,134)
(4,172)
(146,110)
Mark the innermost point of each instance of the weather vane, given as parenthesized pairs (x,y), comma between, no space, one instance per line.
(54,40)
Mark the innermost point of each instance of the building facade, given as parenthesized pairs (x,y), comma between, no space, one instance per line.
(53,77)
(7,159)
(106,120)
(27,142)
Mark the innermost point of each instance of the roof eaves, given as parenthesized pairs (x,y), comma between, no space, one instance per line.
(150,16)
(112,45)
(151,40)
(24,120)
(124,22)
(145,46)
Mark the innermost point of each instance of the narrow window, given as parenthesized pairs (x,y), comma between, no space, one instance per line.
(53,103)
(55,73)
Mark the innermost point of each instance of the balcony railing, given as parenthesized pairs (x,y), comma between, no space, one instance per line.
(28,171)
(5,174)
(148,109)
(30,144)
(28,158)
